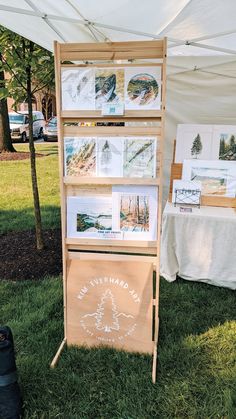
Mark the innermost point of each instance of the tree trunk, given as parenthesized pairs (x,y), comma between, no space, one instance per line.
(37,213)
(5,135)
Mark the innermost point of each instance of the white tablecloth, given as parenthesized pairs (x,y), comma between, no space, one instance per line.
(199,246)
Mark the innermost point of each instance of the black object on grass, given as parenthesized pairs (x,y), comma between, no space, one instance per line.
(10,396)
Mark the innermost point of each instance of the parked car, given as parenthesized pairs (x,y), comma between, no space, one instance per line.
(50,132)
(19,125)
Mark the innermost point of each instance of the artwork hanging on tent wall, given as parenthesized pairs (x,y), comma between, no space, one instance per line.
(108,309)
(110,156)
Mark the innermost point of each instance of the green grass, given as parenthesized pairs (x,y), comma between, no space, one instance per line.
(196,370)
(16,203)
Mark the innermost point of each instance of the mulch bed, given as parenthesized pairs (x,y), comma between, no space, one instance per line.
(20,259)
(19,155)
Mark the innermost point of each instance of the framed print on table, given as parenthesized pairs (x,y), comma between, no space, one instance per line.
(216,177)
(193,142)
(224,142)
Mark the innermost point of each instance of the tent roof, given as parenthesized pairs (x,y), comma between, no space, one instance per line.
(193,27)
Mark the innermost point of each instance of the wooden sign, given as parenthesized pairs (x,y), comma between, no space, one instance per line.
(110,304)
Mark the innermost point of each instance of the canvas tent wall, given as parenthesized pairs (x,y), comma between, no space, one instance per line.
(201,46)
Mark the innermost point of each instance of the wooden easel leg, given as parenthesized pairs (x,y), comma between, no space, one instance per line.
(56,357)
(154,362)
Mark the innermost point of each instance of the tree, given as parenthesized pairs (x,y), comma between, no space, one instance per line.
(232,142)
(106,318)
(5,135)
(26,62)
(197,146)
(222,146)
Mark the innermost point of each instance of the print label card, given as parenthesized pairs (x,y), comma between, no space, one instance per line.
(193,142)
(110,304)
(143,88)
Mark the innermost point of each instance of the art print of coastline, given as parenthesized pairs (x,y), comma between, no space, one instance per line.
(139,157)
(80,156)
(77,89)
(193,142)
(109,86)
(143,88)
(224,142)
(109,157)
(213,180)
(88,215)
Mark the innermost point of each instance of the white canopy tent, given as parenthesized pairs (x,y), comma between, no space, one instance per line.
(201,35)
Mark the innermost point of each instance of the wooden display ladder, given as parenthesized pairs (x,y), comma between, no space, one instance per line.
(119,250)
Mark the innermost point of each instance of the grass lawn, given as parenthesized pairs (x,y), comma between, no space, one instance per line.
(197,339)
(197,353)
(16,200)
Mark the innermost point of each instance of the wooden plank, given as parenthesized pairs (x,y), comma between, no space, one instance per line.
(157,114)
(112,257)
(112,65)
(74,180)
(111,55)
(100,131)
(61,167)
(111,242)
(176,173)
(159,216)
(59,351)
(150,251)
(111,46)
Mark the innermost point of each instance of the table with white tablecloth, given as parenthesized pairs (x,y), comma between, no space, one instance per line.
(199,245)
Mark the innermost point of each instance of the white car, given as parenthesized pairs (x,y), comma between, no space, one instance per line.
(19,125)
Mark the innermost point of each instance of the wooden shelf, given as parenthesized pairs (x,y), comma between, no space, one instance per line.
(157,114)
(111,242)
(111,131)
(73,180)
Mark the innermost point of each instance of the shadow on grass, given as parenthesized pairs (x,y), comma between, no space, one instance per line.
(20,220)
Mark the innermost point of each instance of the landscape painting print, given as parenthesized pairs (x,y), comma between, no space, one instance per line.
(109,86)
(213,181)
(109,157)
(77,89)
(224,142)
(140,157)
(80,156)
(135,211)
(88,215)
(143,88)
(193,142)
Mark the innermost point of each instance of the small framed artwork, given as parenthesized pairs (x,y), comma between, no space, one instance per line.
(77,89)
(140,157)
(216,177)
(193,142)
(88,215)
(134,211)
(224,142)
(80,156)
(143,88)
(109,86)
